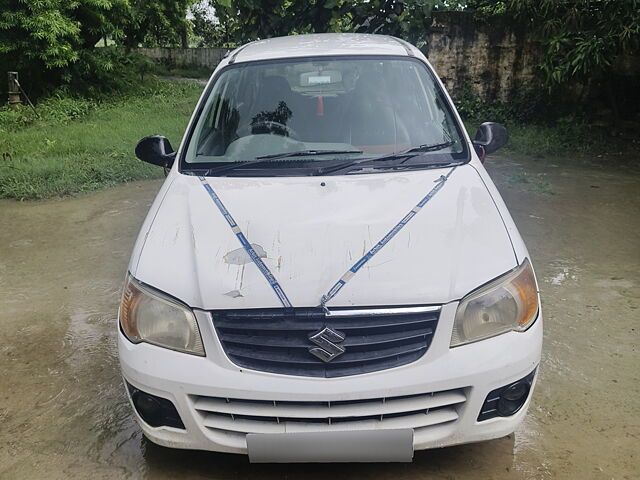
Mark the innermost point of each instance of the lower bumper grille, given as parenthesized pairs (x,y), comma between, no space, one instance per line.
(361,340)
(230,416)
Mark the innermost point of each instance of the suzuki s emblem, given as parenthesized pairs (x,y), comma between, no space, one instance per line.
(327,341)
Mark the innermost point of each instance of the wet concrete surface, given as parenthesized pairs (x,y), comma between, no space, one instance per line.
(63,411)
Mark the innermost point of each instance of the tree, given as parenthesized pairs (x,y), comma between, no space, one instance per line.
(583,41)
(206,29)
(46,39)
(152,23)
(582,38)
(45,32)
(408,19)
(246,20)
(52,42)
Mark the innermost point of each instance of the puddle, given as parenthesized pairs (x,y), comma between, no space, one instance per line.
(562,275)
(64,413)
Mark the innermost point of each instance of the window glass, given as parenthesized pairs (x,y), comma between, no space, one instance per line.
(378,106)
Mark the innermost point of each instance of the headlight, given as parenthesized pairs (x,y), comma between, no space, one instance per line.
(506,304)
(148,316)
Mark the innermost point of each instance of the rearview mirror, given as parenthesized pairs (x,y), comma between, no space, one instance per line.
(156,150)
(489,138)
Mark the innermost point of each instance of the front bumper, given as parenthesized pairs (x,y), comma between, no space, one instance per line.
(439,396)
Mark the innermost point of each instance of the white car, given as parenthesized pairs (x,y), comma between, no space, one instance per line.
(328,273)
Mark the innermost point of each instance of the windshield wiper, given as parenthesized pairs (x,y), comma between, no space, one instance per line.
(304,153)
(406,154)
(415,151)
(276,156)
(434,147)
(410,166)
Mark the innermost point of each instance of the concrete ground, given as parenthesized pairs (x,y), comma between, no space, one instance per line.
(63,411)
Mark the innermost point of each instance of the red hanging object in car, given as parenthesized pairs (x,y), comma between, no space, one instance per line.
(320,106)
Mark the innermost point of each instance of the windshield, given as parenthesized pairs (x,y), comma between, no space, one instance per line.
(285,117)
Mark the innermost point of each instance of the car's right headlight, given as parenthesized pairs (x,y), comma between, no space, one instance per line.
(147,315)
(509,303)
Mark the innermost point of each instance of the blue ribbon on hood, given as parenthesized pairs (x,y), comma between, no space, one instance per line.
(348,275)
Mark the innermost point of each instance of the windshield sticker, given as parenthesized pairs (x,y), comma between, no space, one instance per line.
(318,79)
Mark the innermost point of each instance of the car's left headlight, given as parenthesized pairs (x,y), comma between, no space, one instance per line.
(509,303)
(149,316)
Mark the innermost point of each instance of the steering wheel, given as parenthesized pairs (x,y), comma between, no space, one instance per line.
(272,126)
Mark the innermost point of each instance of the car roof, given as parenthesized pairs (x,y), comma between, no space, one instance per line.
(321,44)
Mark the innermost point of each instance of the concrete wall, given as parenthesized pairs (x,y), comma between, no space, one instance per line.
(204,57)
(491,60)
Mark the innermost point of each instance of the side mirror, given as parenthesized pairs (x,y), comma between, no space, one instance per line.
(156,150)
(489,138)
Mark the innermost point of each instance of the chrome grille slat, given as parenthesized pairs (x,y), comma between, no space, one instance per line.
(299,342)
(277,340)
(367,312)
(339,323)
(271,356)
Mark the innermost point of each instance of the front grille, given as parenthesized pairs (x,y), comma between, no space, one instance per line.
(277,340)
(230,419)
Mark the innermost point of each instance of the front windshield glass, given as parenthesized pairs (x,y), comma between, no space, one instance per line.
(308,112)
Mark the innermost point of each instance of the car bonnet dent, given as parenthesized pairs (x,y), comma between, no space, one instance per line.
(312,233)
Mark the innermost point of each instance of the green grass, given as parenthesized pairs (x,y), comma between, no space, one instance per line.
(78,145)
(186,71)
(81,145)
(567,137)
(545,140)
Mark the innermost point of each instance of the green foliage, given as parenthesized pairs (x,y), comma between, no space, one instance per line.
(153,23)
(536,126)
(42,31)
(582,39)
(206,30)
(531,105)
(566,136)
(245,20)
(52,42)
(106,70)
(50,33)
(78,145)
(408,19)
(184,71)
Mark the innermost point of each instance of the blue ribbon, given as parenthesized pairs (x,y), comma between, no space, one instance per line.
(255,258)
(348,275)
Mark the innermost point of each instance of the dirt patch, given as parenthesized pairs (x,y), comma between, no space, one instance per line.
(62,405)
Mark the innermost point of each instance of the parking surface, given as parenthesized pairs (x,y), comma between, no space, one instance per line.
(63,411)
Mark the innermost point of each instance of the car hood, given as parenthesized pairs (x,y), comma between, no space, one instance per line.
(311,230)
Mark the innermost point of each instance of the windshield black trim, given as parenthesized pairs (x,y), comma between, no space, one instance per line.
(186,168)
